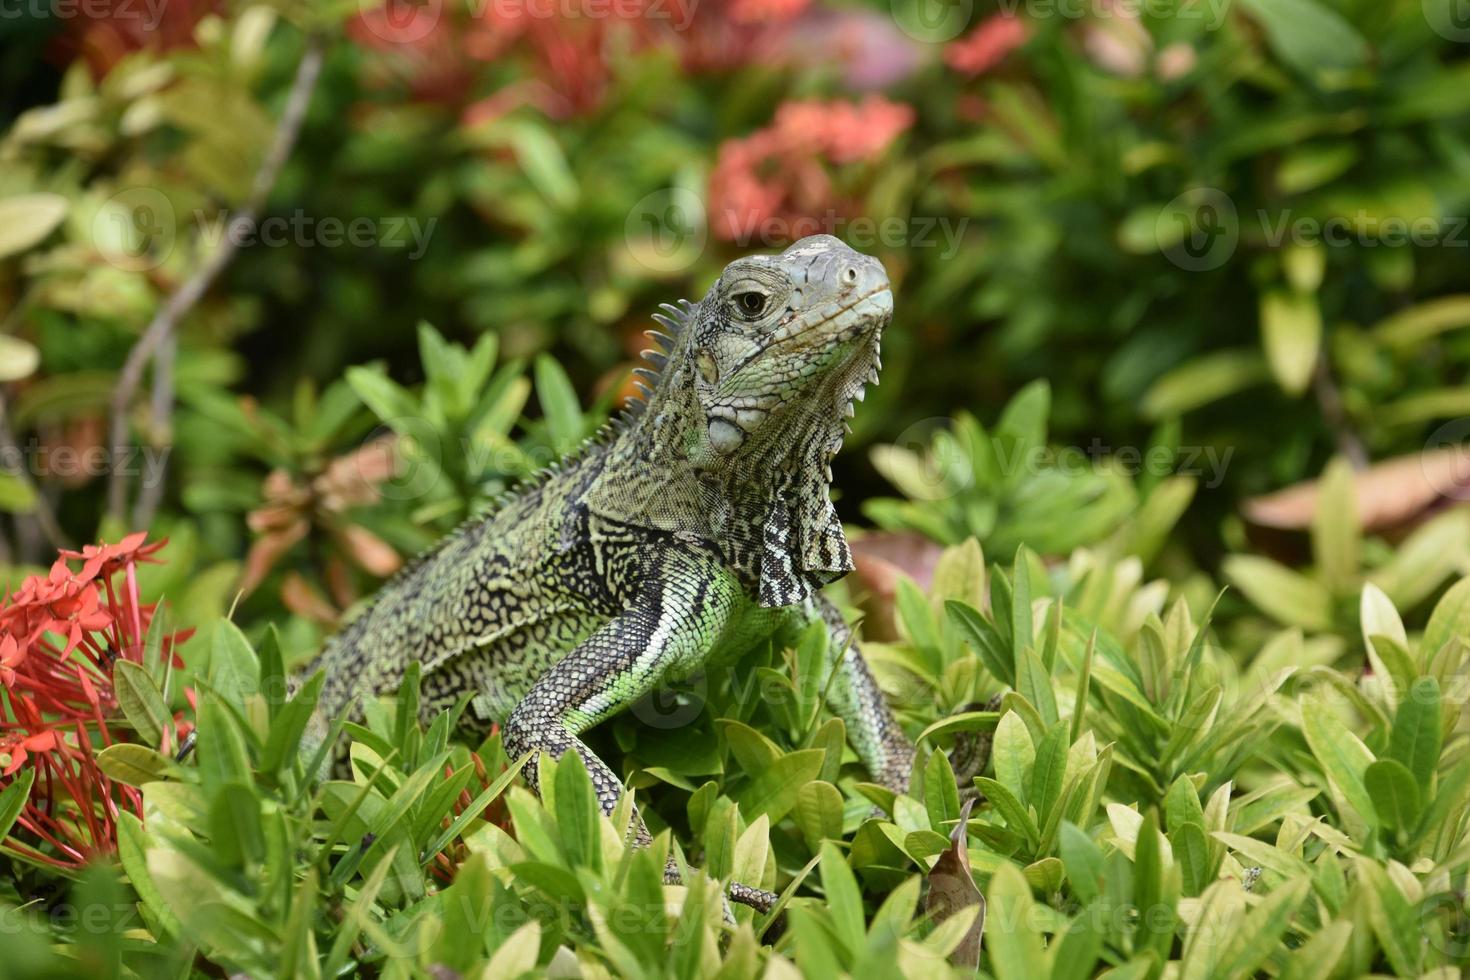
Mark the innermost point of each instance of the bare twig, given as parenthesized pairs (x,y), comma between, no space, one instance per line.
(43,515)
(161,420)
(178,305)
(1329,400)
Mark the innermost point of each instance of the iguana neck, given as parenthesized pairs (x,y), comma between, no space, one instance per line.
(768,506)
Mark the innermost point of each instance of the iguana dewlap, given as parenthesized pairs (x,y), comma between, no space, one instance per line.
(698,522)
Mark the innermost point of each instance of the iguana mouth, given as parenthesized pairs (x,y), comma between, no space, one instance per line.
(851,318)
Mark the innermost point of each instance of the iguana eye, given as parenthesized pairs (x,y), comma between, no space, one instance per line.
(751,304)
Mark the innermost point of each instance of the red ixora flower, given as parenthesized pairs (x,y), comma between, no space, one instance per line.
(987,45)
(60,636)
(778,182)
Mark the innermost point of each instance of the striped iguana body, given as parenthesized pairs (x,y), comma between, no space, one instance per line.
(699,522)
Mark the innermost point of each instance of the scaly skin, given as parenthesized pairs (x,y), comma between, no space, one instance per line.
(699,521)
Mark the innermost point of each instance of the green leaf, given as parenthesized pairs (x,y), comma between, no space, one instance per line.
(577,812)
(1317,958)
(774,789)
(283,740)
(1396,797)
(1417,733)
(1192,851)
(1291,332)
(235,828)
(941,792)
(1012,939)
(1410,327)
(1335,534)
(984,639)
(1256,939)
(818,813)
(1181,804)
(26,219)
(1393,919)
(234,671)
(1342,755)
(844,901)
(1011,809)
(559,404)
(477,806)
(1286,596)
(132,853)
(1203,380)
(965,721)
(17,495)
(141,702)
(133,764)
(1308,35)
(1083,860)
(1012,753)
(1450,619)
(1076,950)
(221,748)
(1049,769)
(13,799)
(389,401)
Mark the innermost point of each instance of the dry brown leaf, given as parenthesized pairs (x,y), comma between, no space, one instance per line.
(266,551)
(952,888)
(878,561)
(369,551)
(1390,494)
(302,598)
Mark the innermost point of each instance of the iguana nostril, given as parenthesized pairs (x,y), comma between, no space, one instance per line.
(852,274)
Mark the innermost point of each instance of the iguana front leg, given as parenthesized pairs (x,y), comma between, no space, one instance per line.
(854,696)
(672,621)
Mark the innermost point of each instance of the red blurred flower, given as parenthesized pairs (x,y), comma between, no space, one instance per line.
(106,31)
(783,176)
(987,45)
(60,636)
(558,56)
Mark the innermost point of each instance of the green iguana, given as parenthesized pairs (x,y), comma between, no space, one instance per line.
(697,523)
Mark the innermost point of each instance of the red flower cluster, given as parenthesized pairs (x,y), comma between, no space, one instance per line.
(106,31)
(562,55)
(781,177)
(60,635)
(987,45)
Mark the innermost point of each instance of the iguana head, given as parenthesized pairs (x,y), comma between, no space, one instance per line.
(746,403)
(781,339)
